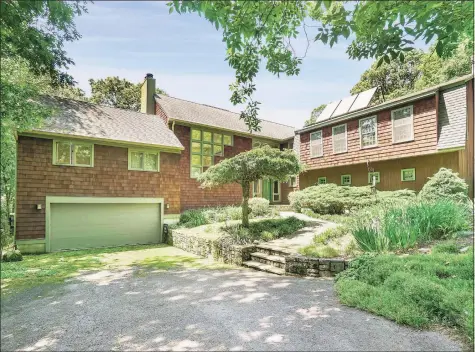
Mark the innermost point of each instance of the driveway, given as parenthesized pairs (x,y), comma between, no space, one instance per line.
(192,309)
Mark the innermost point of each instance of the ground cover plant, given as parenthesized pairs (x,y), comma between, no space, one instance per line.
(418,290)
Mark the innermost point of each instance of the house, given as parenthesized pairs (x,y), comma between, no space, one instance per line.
(94,176)
(398,143)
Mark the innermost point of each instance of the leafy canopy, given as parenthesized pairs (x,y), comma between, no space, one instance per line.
(118,93)
(315,114)
(260,32)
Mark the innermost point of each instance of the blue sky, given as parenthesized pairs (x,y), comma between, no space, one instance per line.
(186,55)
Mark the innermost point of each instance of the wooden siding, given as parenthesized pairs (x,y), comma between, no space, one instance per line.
(466,156)
(390,172)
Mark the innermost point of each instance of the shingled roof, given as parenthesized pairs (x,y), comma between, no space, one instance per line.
(82,119)
(200,114)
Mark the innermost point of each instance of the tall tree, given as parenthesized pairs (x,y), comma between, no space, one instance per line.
(257,31)
(251,166)
(315,114)
(118,93)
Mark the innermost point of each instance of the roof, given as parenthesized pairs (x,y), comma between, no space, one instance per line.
(83,119)
(388,104)
(200,114)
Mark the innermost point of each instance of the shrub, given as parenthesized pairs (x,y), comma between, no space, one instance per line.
(204,216)
(446,247)
(330,234)
(445,184)
(319,251)
(12,256)
(193,218)
(259,206)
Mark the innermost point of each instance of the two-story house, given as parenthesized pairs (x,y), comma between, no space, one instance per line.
(399,143)
(94,176)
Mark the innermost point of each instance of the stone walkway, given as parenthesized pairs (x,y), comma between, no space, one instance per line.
(304,236)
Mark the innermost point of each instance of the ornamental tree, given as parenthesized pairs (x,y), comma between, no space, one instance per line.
(251,166)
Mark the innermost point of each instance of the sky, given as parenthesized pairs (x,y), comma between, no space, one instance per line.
(186,55)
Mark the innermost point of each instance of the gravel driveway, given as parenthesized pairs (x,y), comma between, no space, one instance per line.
(198,310)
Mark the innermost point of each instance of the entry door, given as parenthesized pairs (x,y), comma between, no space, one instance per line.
(267,189)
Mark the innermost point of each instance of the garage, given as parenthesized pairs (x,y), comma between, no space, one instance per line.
(91,222)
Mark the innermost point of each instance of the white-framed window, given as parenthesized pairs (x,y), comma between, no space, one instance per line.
(402,124)
(374,174)
(408,175)
(276,191)
(293,181)
(322,181)
(257,188)
(339,139)
(316,144)
(144,160)
(345,180)
(368,132)
(205,145)
(73,153)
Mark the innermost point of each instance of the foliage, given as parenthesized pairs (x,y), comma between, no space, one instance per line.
(259,206)
(203,216)
(417,290)
(321,251)
(250,166)
(333,199)
(330,234)
(258,31)
(35,31)
(404,227)
(445,184)
(315,114)
(446,247)
(118,93)
(12,256)
(263,230)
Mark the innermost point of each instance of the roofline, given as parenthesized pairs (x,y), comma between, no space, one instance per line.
(386,105)
(101,141)
(239,133)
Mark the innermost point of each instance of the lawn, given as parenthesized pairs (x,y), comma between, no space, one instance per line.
(56,267)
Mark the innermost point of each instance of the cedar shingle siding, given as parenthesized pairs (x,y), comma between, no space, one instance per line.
(452,118)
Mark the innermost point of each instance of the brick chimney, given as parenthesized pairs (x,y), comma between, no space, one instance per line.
(147,96)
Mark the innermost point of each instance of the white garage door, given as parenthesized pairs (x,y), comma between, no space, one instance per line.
(90,225)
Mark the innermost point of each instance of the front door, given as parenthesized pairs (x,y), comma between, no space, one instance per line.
(267,189)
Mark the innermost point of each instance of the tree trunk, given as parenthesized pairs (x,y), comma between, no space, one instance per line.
(245,204)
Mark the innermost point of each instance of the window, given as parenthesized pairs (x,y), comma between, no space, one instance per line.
(408,175)
(257,188)
(276,191)
(73,153)
(368,132)
(293,181)
(316,144)
(402,121)
(345,180)
(371,175)
(144,160)
(322,181)
(339,139)
(205,146)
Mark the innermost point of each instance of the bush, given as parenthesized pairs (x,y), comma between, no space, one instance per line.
(319,251)
(259,206)
(447,247)
(402,228)
(263,230)
(204,216)
(12,256)
(193,218)
(330,234)
(333,199)
(418,290)
(445,184)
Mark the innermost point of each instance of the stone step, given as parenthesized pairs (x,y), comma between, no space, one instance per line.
(274,260)
(264,267)
(272,250)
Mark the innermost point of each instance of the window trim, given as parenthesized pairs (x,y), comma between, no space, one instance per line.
(259,187)
(378,178)
(72,143)
(144,151)
(321,138)
(292,184)
(279,194)
(412,124)
(346,139)
(341,180)
(321,178)
(375,117)
(402,174)
(232,140)
(211,143)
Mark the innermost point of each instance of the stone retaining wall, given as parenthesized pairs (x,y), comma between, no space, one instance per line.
(314,267)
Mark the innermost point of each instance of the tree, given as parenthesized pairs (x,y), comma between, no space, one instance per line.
(315,114)
(118,93)
(251,166)
(257,31)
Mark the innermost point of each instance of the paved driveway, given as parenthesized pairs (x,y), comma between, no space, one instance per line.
(199,310)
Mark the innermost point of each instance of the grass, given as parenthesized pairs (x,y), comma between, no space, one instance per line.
(417,290)
(320,251)
(56,267)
